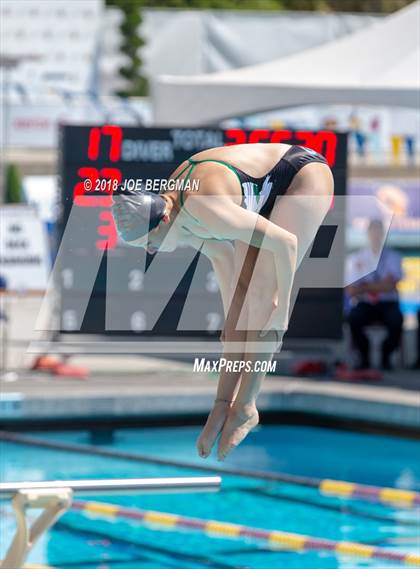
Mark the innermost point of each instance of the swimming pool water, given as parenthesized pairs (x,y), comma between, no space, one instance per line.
(83,542)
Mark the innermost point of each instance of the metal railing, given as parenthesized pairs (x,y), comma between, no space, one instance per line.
(55,497)
(117,485)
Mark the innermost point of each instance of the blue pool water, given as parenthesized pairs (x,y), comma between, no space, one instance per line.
(87,542)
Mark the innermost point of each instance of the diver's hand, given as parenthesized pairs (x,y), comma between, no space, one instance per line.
(274,329)
(275,322)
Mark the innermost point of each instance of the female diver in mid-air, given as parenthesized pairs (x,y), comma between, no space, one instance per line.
(257,210)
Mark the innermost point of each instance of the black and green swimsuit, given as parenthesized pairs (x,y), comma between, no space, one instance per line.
(259,194)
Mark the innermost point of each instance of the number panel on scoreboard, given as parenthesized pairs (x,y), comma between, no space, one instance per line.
(102,154)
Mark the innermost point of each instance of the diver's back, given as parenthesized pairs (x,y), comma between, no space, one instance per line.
(255,159)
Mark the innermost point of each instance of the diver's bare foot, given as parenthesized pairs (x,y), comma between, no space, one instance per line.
(212,428)
(240,421)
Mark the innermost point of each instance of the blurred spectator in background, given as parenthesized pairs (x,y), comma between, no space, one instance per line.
(374,298)
(359,136)
(330,123)
(3,286)
(375,137)
(405,130)
(410,145)
(396,148)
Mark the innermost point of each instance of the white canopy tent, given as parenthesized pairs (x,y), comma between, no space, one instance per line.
(379,65)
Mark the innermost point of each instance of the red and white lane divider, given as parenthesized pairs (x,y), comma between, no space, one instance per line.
(285,540)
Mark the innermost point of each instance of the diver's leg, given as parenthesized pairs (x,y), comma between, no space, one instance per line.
(260,302)
(226,391)
(301,214)
(235,331)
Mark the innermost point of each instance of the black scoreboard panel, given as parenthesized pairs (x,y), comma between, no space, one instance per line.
(94,264)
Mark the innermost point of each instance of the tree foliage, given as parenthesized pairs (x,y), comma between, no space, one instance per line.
(131,45)
(13,184)
(379,6)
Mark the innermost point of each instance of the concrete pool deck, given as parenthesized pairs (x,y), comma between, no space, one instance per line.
(130,388)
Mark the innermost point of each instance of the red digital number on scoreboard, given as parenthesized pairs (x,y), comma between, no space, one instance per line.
(83,190)
(323,141)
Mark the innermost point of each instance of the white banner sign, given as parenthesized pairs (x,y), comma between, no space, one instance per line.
(24,254)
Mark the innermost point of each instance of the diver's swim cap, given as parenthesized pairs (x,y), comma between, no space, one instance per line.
(137,212)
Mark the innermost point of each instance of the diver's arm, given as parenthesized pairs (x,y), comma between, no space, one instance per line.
(221,256)
(228,221)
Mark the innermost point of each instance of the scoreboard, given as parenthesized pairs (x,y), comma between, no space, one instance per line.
(96,271)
